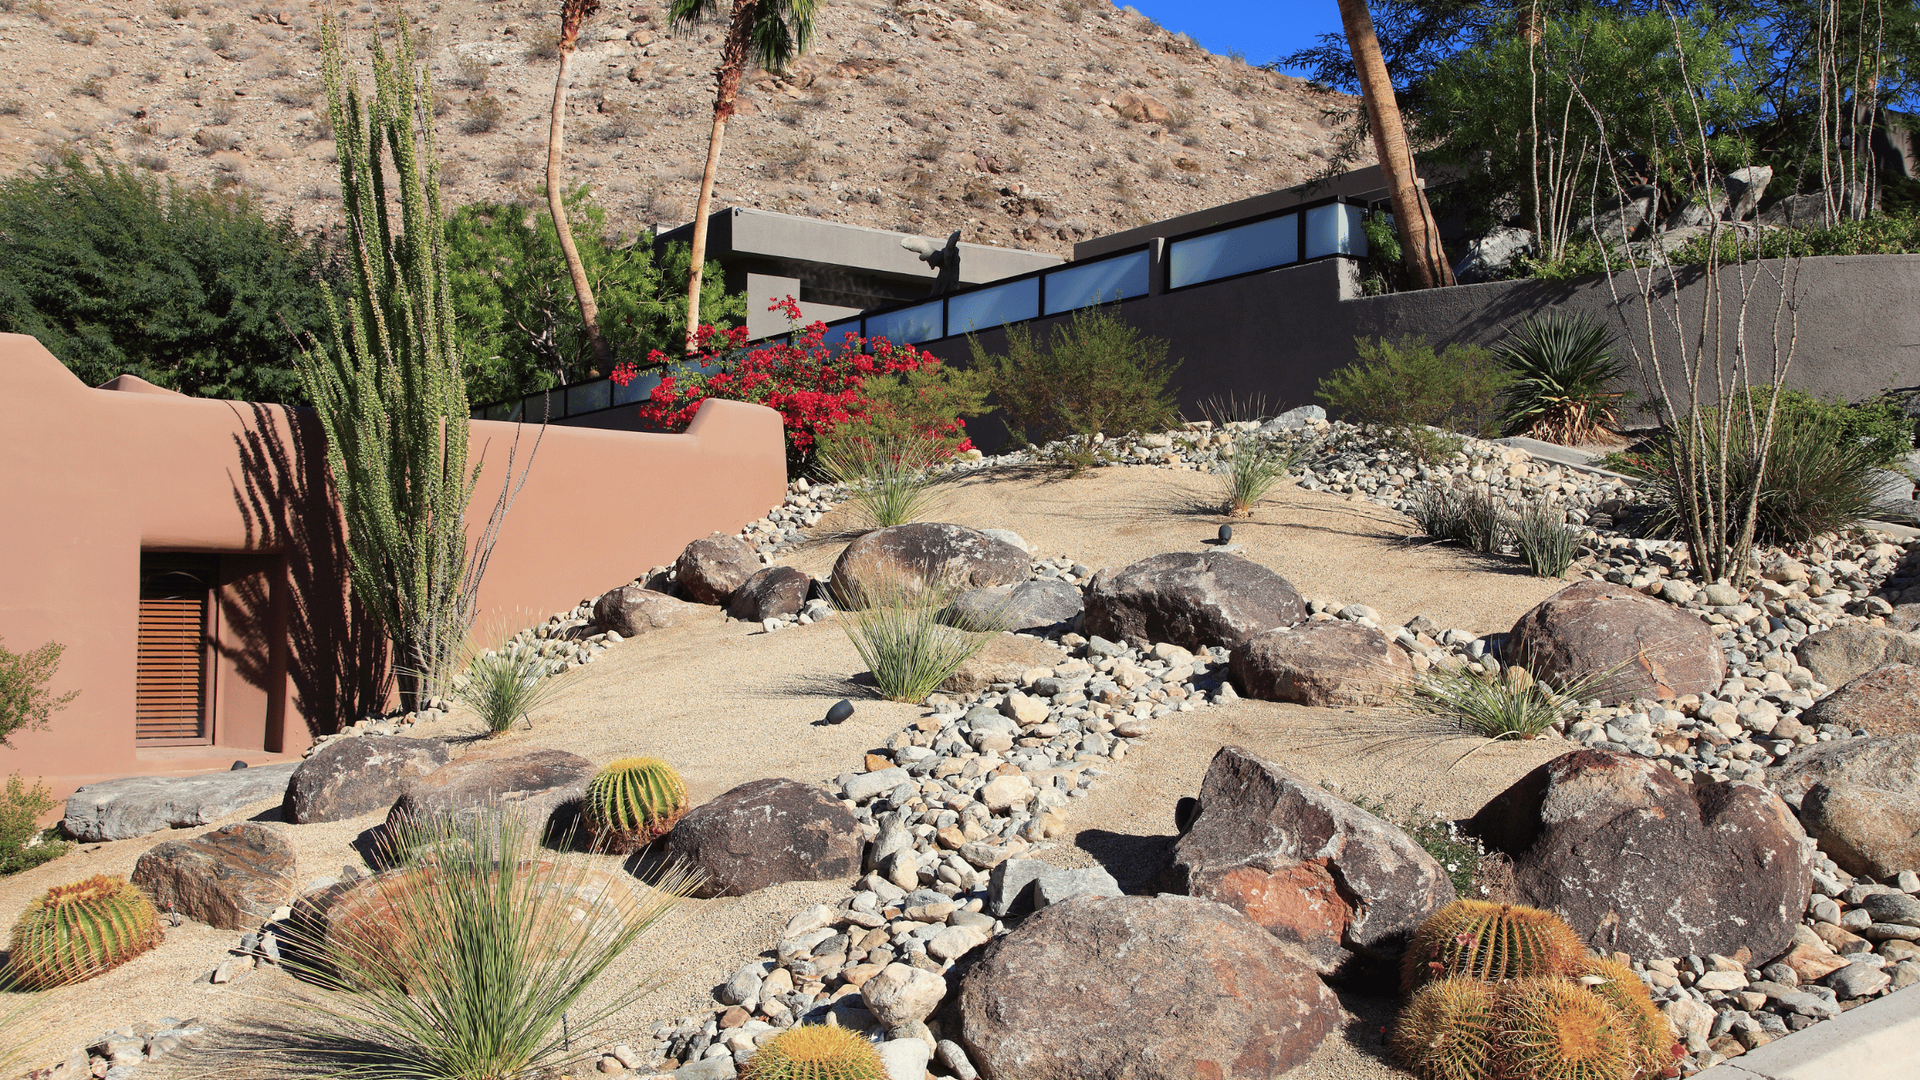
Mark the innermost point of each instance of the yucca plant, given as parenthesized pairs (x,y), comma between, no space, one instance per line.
(1255,466)
(473,952)
(633,802)
(890,478)
(1476,520)
(1561,369)
(899,634)
(74,932)
(1547,543)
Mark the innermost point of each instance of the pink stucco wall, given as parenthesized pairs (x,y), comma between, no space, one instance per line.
(91,477)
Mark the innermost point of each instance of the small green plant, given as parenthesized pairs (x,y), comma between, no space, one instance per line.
(1491,942)
(1446,1031)
(504,685)
(896,628)
(815,1052)
(1512,705)
(476,958)
(1256,465)
(25,702)
(221,38)
(484,113)
(1408,385)
(891,480)
(1095,373)
(23,845)
(74,932)
(633,802)
(1561,369)
(1459,855)
(1471,517)
(1546,542)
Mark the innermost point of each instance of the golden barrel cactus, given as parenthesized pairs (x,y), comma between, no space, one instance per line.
(77,931)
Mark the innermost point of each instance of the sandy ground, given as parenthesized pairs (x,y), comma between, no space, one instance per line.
(728,703)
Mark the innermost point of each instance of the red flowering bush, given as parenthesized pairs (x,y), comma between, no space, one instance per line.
(814,388)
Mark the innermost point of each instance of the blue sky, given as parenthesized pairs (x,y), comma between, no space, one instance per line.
(1261,30)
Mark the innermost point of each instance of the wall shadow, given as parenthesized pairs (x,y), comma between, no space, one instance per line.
(338,655)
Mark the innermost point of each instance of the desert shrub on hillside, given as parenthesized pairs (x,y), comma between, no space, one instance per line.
(1093,373)
(1407,387)
(116,271)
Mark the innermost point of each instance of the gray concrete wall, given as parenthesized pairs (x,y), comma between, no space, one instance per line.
(1853,322)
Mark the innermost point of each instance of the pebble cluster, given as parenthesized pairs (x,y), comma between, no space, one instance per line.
(119,1054)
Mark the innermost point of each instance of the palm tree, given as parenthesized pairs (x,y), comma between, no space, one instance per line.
(767,33)
(1419,240)
(573,13)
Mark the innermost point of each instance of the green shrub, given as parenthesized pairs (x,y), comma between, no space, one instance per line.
(1404,385)
(1093,374)
(25,702)
(518,316)
(1473,518)
(478,956)
(1560,367)
(1883,234)
(20,810)
(116,271)
(1257,464)
(1820,470)
(1509,706)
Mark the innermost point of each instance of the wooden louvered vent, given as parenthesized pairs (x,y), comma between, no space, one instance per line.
(170,697)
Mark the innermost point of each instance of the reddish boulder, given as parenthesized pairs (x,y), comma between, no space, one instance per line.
(1191,599)
(350,777)
(1324,664)
(774,592)
(231,879)
(1651,648)
(1312,868)
(1884,701)
(631,610)
(712,567)
(766,832)
(1641,862)
(1141,988)
(912,557)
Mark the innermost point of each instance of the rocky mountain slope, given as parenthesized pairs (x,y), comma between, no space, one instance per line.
(1021,123)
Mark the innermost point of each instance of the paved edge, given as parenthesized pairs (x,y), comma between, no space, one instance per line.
(1880,1039)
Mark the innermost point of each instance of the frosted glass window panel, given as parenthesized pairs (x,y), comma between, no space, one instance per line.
(838,333)
(1259,246)
(908,325)
(1335,229)
(985,309)
(589,397)
(1099,282)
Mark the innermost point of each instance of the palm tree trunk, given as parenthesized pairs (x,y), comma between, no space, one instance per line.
(733,64)
(1419,239)
(556,202)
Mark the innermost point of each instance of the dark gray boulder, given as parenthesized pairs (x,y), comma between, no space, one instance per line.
(354,776)
(1030,607)
(1639,861)
(542,787)
(137,805)
(712,567)
(766,832)
(909,558)
(1141,988)
(1309,866)
(774,592)
(1191,599)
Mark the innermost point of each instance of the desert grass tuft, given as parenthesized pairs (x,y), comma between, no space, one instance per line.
(898,631)
(505,684)
(1512,705)
(1256,466)
(890,481)
(1547,543)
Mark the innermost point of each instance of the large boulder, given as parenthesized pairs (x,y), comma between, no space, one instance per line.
(1031,607)
(1869,832)
(912,557)
(766,832)
(710,568)
(1745,187)
(1191,599)
(1003,658)
(1141,988)
(350,777)
(631,611)
(1312,868)
(1641,862)
(772,593)
(137,805)
(1324,664)
(1888,762)
(1643,647)
(542,787)
(1848,651)
(231,879)
(1884,701)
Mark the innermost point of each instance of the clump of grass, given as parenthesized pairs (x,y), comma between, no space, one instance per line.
(1547,543)
(479,956)
(1256,466)
(896,628)
(1477,520)
(484,113)
(891,480)
(1511,705)
(505,684)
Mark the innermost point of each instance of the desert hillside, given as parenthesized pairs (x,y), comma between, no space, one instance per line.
(1026,124)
